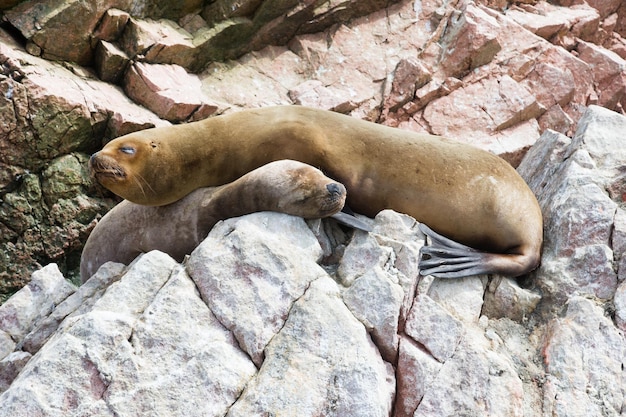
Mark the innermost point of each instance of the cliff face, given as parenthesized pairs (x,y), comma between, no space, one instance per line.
(275,315)
(272,315)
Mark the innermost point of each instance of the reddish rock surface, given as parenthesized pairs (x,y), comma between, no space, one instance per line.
(494,74)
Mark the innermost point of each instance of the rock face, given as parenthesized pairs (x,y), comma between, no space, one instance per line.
(272,315)
(75,74)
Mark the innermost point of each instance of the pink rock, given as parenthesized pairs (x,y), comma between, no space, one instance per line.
(556,119)
(617,44)
(472,41)
(605,7)
(547,20)
(167,90)
(160,42)
(59,30)
(436,89)
(409,75)
(620,27)
(277,63)
(314,94)
(609,73)
(551,84)
(112,25)
(536,65)
(605,64)
(343,67)
(110,62)
(536,22)
(488,106)
(230,83)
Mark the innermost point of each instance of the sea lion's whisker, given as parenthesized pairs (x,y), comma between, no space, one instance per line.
(138,179)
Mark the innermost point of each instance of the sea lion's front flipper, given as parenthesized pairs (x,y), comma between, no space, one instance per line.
(445,258)
(351,221)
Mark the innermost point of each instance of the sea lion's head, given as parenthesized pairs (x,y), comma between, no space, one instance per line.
(296,188)
(134,167)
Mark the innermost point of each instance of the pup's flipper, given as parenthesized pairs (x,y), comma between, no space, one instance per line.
(351,221)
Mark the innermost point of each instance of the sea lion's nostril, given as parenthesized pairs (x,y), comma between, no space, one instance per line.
(334,188)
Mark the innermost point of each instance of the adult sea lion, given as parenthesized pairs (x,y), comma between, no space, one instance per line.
(130,229)
(466,194)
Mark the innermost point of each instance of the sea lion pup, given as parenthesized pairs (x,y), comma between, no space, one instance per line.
(466,194)
(130,229)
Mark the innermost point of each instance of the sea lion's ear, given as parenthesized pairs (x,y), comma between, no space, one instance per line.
(153,144)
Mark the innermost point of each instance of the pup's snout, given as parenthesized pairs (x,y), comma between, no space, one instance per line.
(335,188)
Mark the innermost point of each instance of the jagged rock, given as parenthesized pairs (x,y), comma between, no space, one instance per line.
(463,298)
(110,62)
(158,42)
(578,226)
(408,76)
(169,91)
(267,319)
(609,73)
(505,298)
(504,104)
(64,30)
(584,359)
(122,340)
(112,25)
(51,117)
(470,42)
(238,273)
(321,363)
(35,301)
(547,20)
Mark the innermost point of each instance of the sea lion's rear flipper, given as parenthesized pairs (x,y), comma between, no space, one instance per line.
(446,258)
(351,221)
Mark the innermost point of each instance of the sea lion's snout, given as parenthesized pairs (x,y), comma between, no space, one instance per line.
(101,166)
(336,189)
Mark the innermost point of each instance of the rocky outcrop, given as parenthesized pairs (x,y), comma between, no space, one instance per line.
(491,73)
(275,315)
(271,315)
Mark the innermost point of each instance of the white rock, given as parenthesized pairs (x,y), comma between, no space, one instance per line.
(600,133)
(251,270)
(79,302)
(322,362)
(417,372)
(46,289)
(463,298)
(584,355)
(505,298)
(475,381)
(183,361)
(375,300)
(433,327)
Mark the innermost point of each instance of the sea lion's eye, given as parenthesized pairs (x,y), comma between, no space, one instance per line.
(127,150)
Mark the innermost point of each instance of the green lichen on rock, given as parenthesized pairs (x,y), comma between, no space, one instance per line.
(47,218)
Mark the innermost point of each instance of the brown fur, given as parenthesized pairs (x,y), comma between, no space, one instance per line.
(462,192)
(284,186)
